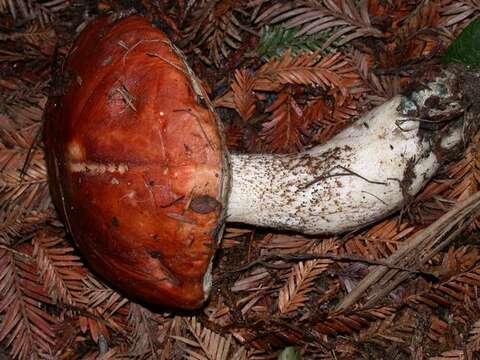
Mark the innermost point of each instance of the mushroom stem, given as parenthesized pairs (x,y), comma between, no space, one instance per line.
(361,175)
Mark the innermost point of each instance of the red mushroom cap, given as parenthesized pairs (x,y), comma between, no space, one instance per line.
(137,162)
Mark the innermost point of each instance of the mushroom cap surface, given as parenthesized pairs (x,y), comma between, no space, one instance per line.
(136,162)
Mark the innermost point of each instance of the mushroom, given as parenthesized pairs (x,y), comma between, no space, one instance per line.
(143,182)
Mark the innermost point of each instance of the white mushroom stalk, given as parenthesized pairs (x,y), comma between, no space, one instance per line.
(366,172)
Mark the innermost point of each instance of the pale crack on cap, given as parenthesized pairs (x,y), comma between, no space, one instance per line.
(97,168)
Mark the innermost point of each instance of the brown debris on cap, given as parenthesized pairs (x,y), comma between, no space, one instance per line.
(137,162)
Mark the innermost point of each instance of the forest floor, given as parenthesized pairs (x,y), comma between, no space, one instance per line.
(283,75)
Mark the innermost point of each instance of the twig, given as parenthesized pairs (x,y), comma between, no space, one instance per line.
(398,279)
(28,159)
(130,49)
(86,313)
(16,252)
(204,133)
(176,66)
(305,257)
(375,196)
(123,91)
(435,237)
(348,172)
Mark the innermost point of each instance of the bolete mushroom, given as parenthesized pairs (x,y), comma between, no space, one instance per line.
(141,176)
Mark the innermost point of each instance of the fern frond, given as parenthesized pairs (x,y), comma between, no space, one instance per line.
(380,87)
(454,290)
(42,10)
(380,241)
(461,180)
(284,244)
(243,95)
(274,41)
(254,280)
(22,196)
(235,134)
(300,283)
(473,342)
(342,323)
(116,353)
(454,261)
(397,328)
(438,329)
(450,355)
(326,120)
(34,34)
(210,345)
(305,69)
(103,304)
(289,126)
(347,20)
(13,8)
(60,270)
(470,181)
(15,228)
(104,300)
(215,24)
(415,39)
(26,327)
(284,131)
(101,325)
(143,337)
(456,11)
